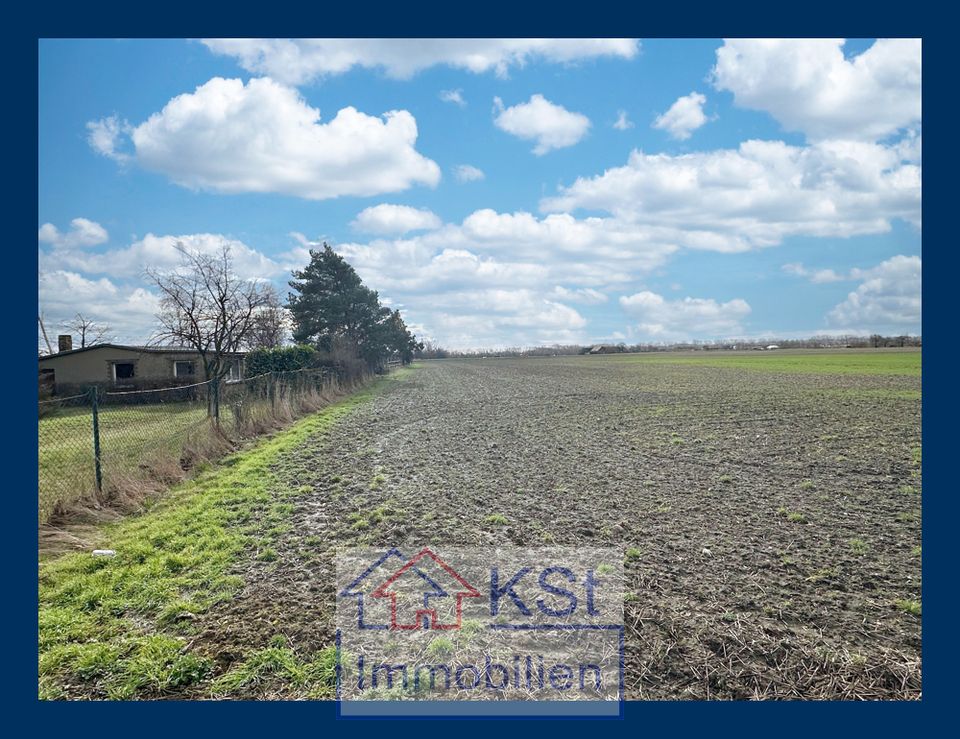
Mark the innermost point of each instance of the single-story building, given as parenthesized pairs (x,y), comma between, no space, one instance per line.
(117,366)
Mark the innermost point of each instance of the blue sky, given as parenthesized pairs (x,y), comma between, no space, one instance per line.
(634,190)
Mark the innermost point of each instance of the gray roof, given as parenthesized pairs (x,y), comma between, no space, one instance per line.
(134,348)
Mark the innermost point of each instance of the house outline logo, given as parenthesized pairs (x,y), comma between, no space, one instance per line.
(426,617)
(353,590)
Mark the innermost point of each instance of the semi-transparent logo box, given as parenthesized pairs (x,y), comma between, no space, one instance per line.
(476,631)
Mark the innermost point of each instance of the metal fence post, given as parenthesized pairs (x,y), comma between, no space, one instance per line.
(94,407)
(215,390)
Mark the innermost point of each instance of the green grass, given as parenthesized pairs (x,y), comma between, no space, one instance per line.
(119,627)
(822,575)
(792,516)
(267,554)
(439,647)
(497,519)
(279,668)
(842,362)
(908,606)
(872,393)
(859,547)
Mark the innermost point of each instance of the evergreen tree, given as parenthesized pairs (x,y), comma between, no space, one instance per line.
(330,306)
(330,301)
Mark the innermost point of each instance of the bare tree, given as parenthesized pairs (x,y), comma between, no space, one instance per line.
(90,332)
(205,305)
(271,325)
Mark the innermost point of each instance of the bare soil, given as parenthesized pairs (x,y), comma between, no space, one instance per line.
(770,521)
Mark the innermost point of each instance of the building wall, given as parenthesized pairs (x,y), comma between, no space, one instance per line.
(95,367)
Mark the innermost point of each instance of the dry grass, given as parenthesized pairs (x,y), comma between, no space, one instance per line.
(146,449)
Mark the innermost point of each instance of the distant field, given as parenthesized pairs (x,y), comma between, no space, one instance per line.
(768,506)
(830,361)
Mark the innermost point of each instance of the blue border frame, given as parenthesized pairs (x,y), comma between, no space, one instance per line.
(175,18)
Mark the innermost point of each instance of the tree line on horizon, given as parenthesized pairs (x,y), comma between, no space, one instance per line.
(334,319)
(433,350)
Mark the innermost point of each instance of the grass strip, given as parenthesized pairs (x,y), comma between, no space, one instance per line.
(119,627)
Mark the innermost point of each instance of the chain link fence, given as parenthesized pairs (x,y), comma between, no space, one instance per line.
(103,446)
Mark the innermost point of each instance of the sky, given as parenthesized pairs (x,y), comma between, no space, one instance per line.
(500,193)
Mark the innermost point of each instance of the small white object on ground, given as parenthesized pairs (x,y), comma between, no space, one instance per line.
(104,553)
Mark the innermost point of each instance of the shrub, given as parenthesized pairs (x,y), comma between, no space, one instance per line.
(280,359)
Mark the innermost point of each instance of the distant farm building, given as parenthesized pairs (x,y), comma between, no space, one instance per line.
(606,349)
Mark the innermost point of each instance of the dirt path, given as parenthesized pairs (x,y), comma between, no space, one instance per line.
(771,521)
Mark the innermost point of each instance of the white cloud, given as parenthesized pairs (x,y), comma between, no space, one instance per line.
(64,285)
(502,318)
(83,232)
(595,244)
(395,219)
(453,96)
(684,117)
(508,250)
(111,287)
(105,137)
(662,319)
(467,173)
(128,310)
(502,279)
(584,295)
(479,296)
(756,195)
(623,122)
(296,61)
(889,297)
(263,137)
(160,252)
(809,86)
(816,276)
(551,126)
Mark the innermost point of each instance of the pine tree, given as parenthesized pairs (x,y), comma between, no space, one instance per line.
(330,306)
(330,301)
